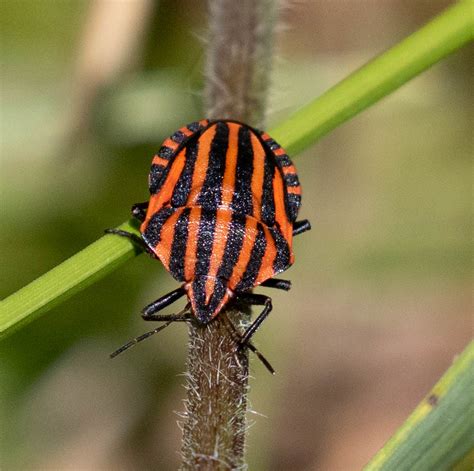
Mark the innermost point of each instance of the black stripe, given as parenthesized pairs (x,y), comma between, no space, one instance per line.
(205,242)
(242,200)
(293,203)
(183,185)
(195,126)
(233,246)
(272,144)
(166,152)
(155,178)
(291,179)
(218,294)
(282,259)
(152,233)
(268,198)
(178,136)
(283,160)
(178,249)
(255,261)
(211,191)
(199,295)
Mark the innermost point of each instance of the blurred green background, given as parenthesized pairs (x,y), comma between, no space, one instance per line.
(381,286)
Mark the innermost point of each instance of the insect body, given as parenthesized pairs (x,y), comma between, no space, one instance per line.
(221,217)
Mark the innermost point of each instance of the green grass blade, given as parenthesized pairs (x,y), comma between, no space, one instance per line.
(439,434)
(68,278)
(440,37)
(443,35)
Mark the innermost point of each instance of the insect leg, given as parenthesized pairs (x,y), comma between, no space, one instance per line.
(277,283)
(236,334)
(149,313)
(256,300)
(133,237)
(301,226)
(139,210)
(180,317)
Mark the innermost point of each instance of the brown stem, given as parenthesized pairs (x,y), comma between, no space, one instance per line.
(216,403)
(239,61)
(237,79)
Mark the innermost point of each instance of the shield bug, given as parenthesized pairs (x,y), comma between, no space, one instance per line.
(224,198)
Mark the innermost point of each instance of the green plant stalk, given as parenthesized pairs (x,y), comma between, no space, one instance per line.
(76,273)
(440,431)
(445,34)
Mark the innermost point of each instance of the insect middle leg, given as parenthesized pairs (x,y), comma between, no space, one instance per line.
(301,226)
(277,283)
(255,300)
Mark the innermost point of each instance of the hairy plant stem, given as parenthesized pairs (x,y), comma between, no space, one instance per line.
(237,79)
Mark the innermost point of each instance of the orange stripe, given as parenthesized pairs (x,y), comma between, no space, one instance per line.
(280,214)
(163,197)
(245,252)
(202,162)
(163,249)
(280,211)
(279,151)
(266,270)
(186,131)
(296,190)
(289,169)
(157,160)
(170,143)
(257,176)
(220,238)
(224,216)
(228,181)
(193,230)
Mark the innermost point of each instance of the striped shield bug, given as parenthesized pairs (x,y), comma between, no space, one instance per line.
(224,198)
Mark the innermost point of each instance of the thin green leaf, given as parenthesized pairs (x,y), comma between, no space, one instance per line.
(440,37)
(443,35)
(439,434)
(68,278)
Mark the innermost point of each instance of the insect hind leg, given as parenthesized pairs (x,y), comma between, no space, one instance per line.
(255,300)
(236,334)
(150,312)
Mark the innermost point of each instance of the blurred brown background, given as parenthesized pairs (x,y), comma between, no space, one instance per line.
(381,299)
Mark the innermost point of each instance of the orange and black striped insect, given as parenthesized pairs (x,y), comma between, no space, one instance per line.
(221,218)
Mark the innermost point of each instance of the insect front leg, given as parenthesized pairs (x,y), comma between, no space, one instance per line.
(139,210)
(137,240)
(255,300)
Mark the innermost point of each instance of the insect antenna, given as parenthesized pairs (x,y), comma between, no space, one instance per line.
(134,341)
(167,319)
